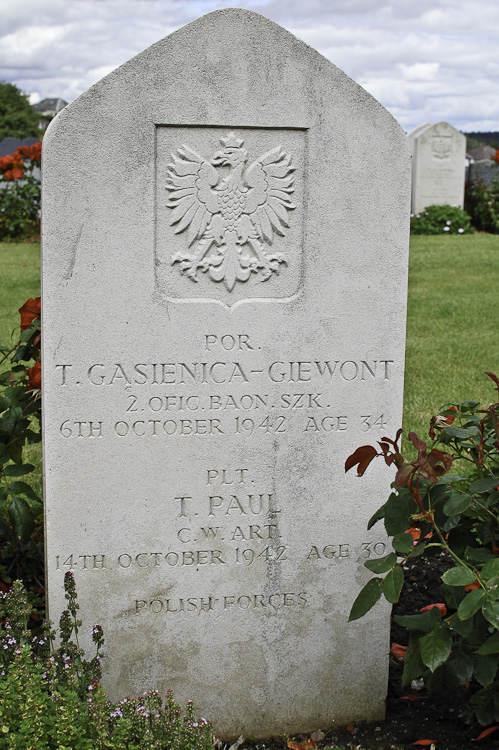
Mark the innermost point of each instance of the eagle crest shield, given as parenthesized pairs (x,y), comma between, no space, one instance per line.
(230,211)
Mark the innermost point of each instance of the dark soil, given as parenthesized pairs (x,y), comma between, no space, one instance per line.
(424,716)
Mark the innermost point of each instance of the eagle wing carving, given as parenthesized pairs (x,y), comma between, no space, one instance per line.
(191,180)
(270,180)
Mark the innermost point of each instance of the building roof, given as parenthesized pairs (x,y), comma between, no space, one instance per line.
(50,106)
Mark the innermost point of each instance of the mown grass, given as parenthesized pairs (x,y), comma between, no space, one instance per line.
(452,318)
(19,280)
(452,324)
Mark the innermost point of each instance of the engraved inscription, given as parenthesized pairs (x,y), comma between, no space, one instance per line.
(229,218)
(196,605)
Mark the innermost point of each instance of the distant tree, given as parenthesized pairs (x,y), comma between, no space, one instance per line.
(17,117)
(471,142)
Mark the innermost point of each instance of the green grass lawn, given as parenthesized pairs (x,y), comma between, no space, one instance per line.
(19,280)
(452,324)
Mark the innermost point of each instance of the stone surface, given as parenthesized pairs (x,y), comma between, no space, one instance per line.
(225,243)
(484,171)
(438,166)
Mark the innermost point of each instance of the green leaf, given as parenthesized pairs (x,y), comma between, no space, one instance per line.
(24,489)
(478,554)
(490,611)
(471,604)
(483,485)
(403,543)
(366,599)
(21,518)
(450,523)
(491,645)
(460,663)
(21,353)
(376,517)
(413,665)
(470,405)
(418,550)
(463,627)
(457,504)
(457,432)
(485,668)
(382,564)
(392,584)
(16,452)
(490,569)
(435,646)
(398,508)
(18,470)
(424,622)
(458,576)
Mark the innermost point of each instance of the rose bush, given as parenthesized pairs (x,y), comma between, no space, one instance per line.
(432,511)
(21,553)
(20,193)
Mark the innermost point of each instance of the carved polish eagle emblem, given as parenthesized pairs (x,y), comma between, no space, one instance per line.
(229,217)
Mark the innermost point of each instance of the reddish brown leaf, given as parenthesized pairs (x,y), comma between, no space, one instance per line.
(426,743)
(303,745)
(398,651)
(493,377)
(403,474)
(417,443)
(363,457)
(410,697)
(441,607)
(485,733)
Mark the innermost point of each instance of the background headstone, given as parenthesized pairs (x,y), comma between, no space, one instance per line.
(224,283)
(483,170)
(482,152)
(438,166)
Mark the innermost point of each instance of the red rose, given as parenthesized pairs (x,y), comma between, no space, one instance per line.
(36,152)
(6,162)
(29,312)
(35,377)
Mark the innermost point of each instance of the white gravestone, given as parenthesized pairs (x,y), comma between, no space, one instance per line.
(224,278)
(438,166)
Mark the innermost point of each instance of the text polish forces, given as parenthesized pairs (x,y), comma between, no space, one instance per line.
(197,605)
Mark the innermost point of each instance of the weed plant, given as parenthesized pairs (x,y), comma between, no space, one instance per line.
(51,698)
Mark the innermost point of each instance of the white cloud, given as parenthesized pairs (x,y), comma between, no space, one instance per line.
(425,61)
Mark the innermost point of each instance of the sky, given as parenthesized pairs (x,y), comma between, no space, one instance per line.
(424,60)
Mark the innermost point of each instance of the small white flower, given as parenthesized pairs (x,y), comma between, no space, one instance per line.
(448,223)
(460,230)
(446,229)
